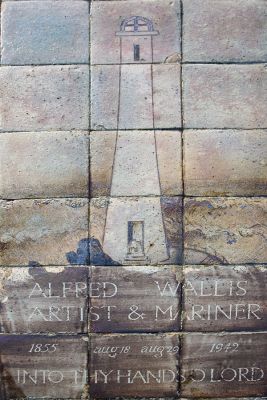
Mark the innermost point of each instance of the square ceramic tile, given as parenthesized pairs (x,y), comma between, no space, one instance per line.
(134,365)
(225,162)
(135,299)
(225,96)
(44,299)
(224,31)
(225,230)
(44,232)
(44,164)
(220,298)
(44,98)
(135,97)
(45,32)
(135,31)
(37,366)
(135,230)
(224,365)
(135,163)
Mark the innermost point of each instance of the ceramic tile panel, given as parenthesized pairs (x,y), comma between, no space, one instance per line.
(223,297)
(135,96)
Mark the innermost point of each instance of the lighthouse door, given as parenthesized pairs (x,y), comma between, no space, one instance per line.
(136,48)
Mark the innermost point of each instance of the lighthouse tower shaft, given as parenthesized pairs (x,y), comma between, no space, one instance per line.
(132,217)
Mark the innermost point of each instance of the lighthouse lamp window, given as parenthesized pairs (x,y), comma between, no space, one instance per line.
(136,24)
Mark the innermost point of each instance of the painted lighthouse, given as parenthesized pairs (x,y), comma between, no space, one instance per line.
(134,229)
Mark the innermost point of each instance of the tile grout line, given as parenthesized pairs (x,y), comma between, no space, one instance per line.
(133,333)
(222,63)
(1,33)
(182,125)
(89,142)
(179,383)
(129,266)
(88,327)
(185,128)
(185,196)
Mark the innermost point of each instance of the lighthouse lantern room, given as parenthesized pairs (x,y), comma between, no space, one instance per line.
(136,40)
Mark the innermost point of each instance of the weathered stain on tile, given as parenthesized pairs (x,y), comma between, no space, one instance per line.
(166,96)
(114,25)
(42,231)
(135,163)
(169,157)
(145,91)
(49,367)
(136,102)
(225,230)
(46,32)
(104,96)
(136,230)
(135,299)
(135,97)
(135,170)
(43,299)
(224,365)
(224,31)
(102,150)
(225,96)
(134,365)
(44,164)
(225,162)
(219,298)
(44,98)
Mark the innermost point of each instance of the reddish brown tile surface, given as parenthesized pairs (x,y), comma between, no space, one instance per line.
(228,365)
(219,298)
(49,367)
(134,365)
(135,299)
(152,284)
(44,300)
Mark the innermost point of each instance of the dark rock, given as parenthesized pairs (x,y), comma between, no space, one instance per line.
(90,251)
